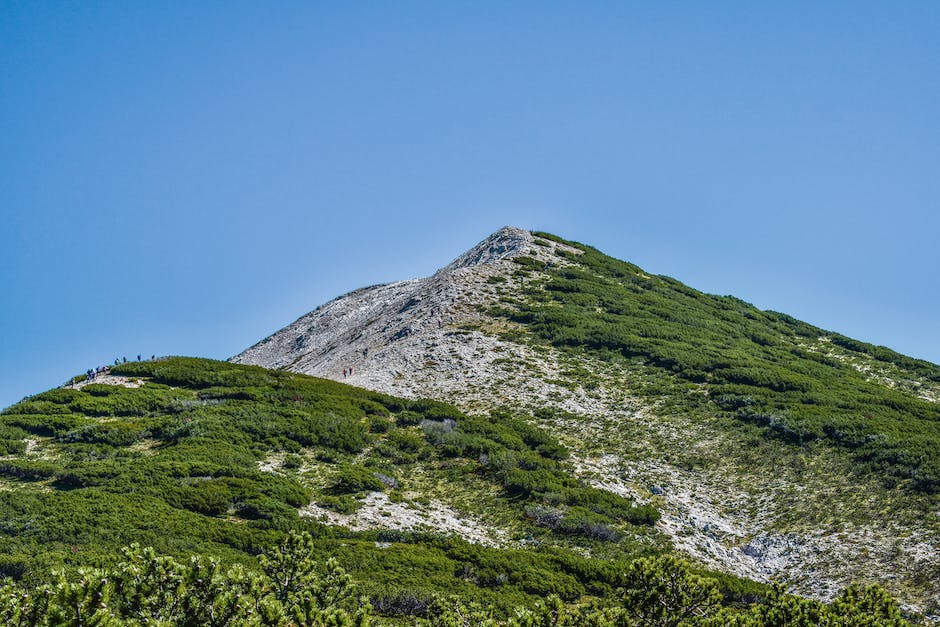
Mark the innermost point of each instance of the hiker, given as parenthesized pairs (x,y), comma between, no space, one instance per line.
(344,373)
(138,356)
(125,359)
(350,371)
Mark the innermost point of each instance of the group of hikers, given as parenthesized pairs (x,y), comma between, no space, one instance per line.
(92,373)
(347,372)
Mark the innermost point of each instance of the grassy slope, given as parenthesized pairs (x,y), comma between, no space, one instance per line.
(825,445)
(177,464)
(799,382)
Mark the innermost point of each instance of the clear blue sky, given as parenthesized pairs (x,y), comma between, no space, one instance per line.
(185,178)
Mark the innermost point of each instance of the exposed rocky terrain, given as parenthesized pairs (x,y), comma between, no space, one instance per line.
(734,508)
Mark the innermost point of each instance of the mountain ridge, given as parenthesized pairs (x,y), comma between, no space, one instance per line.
(534,418)
(464,335)
(401,308)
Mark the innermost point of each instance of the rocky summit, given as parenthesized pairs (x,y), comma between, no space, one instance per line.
(774,450)
(385,332)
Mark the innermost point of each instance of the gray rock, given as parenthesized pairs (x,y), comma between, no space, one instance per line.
(752,550)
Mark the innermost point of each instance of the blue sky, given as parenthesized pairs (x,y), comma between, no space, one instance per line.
(185,178)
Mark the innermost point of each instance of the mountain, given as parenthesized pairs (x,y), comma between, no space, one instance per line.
(537,427)
(774,449)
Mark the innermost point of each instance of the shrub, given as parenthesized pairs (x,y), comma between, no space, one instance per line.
(352,479)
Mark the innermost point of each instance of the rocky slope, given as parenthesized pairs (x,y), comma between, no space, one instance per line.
(755,508)
(384,332)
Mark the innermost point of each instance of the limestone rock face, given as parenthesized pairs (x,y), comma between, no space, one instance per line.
(393,329)
(505,243)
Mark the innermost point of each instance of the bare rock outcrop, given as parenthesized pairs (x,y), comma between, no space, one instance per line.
(382,330)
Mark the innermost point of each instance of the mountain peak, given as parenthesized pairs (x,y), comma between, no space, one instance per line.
(365,328)
(600,350)
(505,243)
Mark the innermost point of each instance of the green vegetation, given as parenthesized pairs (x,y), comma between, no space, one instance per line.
(216,458)
(524,460)
(144,588)
(762,367)
(291,586)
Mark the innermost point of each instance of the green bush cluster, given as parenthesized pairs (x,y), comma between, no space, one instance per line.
(144,588)
(180,454)
(291,586)
(175,463)
(528,463)
(12,439)
(354,479)
(614,310)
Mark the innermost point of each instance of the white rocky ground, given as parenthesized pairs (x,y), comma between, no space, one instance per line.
(378,512)
(109,379)
(428,338)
